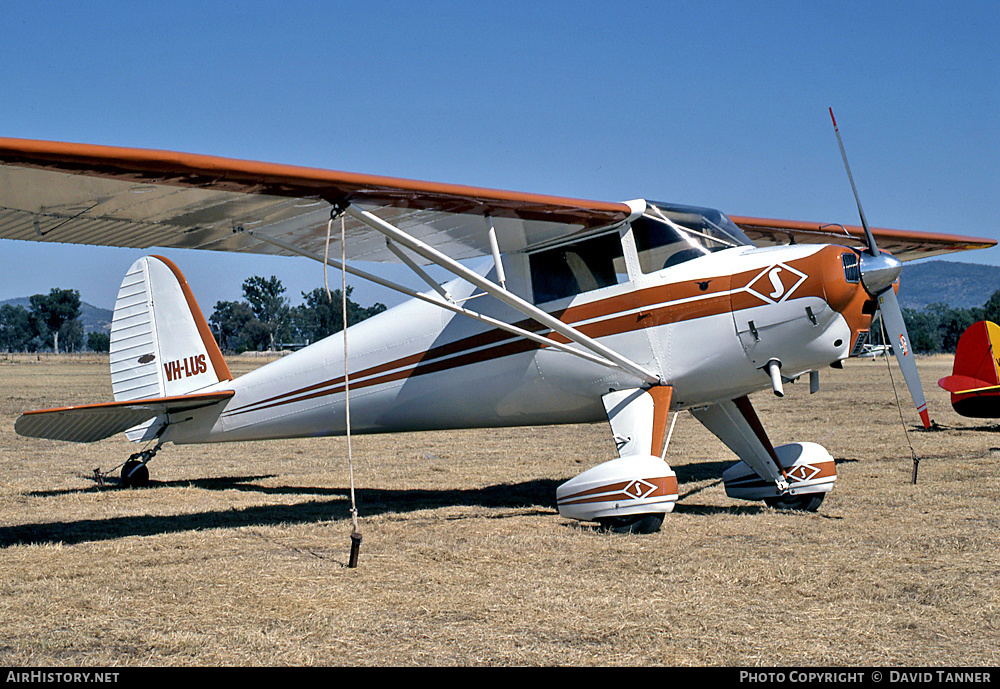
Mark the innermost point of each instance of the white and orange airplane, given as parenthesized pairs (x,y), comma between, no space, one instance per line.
(588,311)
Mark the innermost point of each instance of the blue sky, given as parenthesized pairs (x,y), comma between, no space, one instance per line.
(714,103)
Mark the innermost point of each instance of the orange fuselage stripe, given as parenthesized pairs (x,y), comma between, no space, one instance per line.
(628,312)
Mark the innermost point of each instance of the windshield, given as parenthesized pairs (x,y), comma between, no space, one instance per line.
(668,234)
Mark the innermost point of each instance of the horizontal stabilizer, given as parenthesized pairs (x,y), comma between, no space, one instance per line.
(87,423)
(965,385)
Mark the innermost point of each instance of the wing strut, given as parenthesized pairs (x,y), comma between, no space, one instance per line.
(447,305)
(512,300)
(401,255)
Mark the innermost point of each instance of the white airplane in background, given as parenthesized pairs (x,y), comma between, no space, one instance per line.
(594,310)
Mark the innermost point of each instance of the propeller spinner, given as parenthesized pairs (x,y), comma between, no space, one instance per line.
(879,271)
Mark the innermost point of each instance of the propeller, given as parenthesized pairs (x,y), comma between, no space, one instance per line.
(879,271)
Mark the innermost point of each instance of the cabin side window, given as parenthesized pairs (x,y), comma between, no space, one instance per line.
(579,267)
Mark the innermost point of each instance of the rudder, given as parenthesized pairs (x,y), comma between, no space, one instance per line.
(161,345)
(975,380)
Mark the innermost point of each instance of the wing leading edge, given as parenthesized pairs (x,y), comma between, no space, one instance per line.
(86,194)
(904,245)
(101,195)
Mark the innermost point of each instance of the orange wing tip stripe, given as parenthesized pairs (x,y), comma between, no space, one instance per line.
(211,346)
(87,423)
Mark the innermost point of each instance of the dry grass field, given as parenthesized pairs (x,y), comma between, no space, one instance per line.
(236,554)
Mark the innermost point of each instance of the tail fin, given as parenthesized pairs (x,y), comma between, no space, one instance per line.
(975,380)
(161,345)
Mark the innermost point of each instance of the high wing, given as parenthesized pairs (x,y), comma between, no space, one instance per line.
(904,245)
(126,197)
(85,194)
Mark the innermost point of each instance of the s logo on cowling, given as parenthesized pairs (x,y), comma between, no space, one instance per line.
(779,288)
(776,283)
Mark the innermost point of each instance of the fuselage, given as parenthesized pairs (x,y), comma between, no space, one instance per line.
(707,326)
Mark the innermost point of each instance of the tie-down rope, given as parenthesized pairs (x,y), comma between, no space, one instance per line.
(355,532)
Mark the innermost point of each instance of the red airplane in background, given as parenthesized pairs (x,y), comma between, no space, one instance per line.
(974,382)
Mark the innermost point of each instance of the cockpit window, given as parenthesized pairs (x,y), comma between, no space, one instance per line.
(666,235)
(579,267)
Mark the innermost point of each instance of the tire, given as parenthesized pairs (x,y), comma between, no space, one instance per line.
(808,502)
(633,523)
(139,478)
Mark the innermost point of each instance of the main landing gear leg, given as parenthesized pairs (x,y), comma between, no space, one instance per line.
(632,493)
(795,476)
(135,474)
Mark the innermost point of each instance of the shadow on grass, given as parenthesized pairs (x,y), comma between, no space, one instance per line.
(331,504)
(539,493)
(216,483)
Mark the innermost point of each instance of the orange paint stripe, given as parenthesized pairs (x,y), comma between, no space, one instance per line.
(747,410)
(214,355)
(858,233)
(661,394)
(665,486)
(611,326)
(703,303)
(255,177)
(206,397)
(432,367)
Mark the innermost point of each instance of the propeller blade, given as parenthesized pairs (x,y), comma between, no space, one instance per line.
(878,272)
(872,248)
(892,318)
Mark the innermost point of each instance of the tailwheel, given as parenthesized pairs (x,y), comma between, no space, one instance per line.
(135,474)
(808,502)
(633,523)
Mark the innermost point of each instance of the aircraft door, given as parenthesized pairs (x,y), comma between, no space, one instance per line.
(587,284)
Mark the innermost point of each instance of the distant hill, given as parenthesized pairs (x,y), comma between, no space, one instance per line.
(92,317)
(960,285)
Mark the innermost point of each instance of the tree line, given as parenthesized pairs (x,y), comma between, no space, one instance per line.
(50,323)
(263,320)
(937,327)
